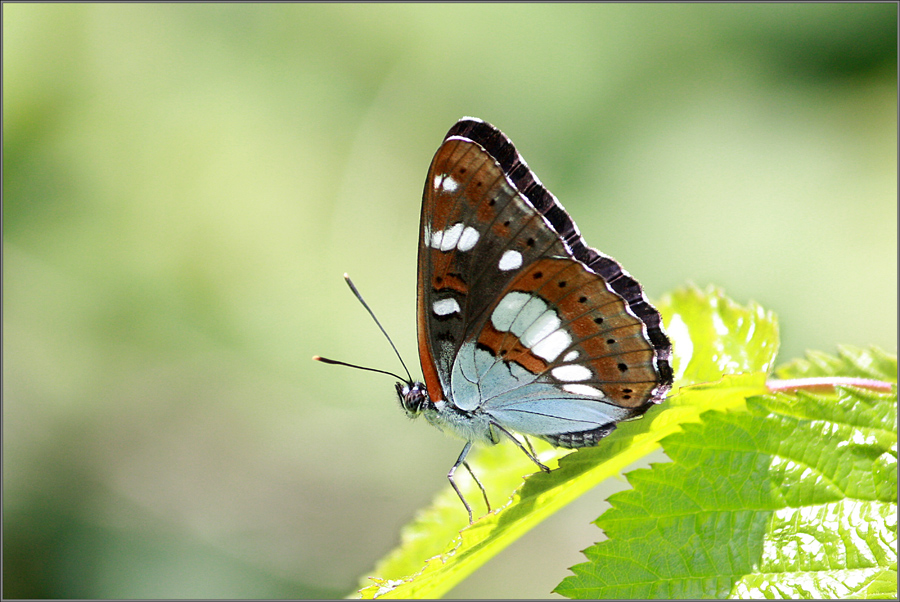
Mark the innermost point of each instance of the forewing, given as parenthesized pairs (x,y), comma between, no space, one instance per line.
(476,232)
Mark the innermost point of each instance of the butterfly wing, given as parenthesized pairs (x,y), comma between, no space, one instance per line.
(517,316)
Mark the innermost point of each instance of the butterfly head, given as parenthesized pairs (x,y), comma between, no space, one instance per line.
(413,397)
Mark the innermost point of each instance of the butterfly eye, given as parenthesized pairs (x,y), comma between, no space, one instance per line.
(413,397)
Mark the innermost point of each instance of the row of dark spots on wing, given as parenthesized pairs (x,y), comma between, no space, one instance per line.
(598,320)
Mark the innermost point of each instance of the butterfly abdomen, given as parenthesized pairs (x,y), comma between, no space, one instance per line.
(583,439)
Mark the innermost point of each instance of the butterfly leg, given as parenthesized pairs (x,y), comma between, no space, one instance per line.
(530,447)
(480,486)
(531,455)
(462,460)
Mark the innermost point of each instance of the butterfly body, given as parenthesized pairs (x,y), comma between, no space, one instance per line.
(471,426)
(521,326)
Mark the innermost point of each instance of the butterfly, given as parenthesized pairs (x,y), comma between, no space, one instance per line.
(522,328)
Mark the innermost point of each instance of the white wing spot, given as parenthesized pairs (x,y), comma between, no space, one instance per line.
(572,355)
(445,307)
(546,323)
(584,390)
(529,318)
(553,345)
(508,310)
(510,260)
(447,239)
(528,315)
(468,239)
(571,373)
(449,185)
(451,237)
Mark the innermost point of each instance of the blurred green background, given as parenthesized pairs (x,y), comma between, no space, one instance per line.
(185,184)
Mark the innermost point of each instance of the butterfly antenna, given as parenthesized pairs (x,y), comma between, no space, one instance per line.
(325,360)
(383,331)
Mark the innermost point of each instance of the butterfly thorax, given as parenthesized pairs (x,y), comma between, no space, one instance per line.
(471,426)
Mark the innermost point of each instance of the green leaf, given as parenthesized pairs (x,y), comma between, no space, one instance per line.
(795,498)
(712,335)
(851,361)
(438,549)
